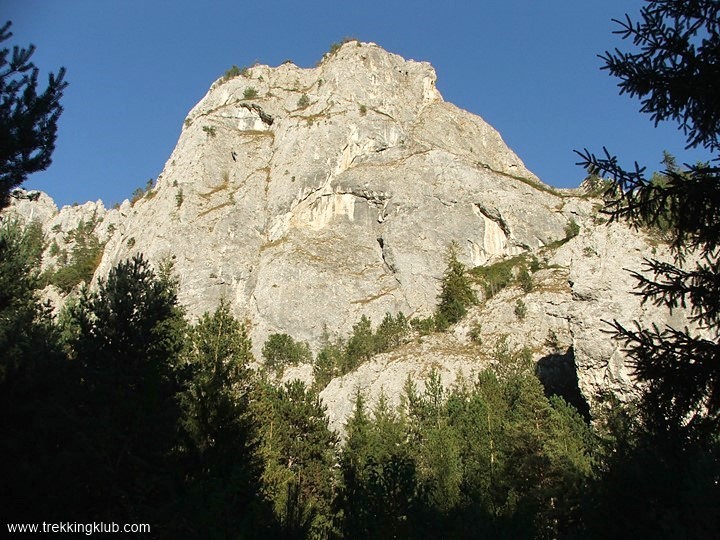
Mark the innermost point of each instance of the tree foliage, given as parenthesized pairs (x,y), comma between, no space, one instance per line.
(489,458)
(32,379)
(337,357)
(145,420)
(281,350)
(673,69)
(328,362)
(152,419)
(300,452)
(28,119)
(219,432)
(23,321)
(379,495)
(128,335)
(456,293)
(83,259)
(661,477)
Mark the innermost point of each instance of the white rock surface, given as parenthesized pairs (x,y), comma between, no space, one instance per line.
(388,373)
(306,217)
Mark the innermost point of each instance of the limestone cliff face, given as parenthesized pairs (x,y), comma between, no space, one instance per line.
(583,284)
(309,197)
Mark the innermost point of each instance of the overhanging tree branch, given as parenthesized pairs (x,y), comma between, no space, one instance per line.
(28,119)
(674,69)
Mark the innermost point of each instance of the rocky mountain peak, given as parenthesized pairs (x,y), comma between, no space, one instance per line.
(307,198)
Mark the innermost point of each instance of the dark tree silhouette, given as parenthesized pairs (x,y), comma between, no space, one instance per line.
(674,69)
(660,479)
(128,335)
(220,462)
(28,119)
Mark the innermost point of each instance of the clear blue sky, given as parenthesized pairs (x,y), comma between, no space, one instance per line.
(136,67)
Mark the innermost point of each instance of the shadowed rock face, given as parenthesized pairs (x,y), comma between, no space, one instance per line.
(309,197)
(559,376)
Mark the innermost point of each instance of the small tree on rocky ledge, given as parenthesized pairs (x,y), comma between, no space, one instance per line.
(281,350)
(456,293)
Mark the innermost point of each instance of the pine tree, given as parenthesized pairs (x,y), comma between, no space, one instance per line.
(328,363)
(456,293)
(651,483)
(128,336)
(222,463)
(361,345)
(34,385)
(23,321)
(281,350)
(390,332)
(28,120)
(300,453)
(674,71)
(477,415)
(379,496)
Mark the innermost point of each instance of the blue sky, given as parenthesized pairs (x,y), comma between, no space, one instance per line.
(136,67)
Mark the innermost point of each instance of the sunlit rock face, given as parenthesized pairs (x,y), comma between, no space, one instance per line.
(309,197)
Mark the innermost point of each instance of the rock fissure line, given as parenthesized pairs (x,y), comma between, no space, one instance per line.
(388,266)
(495,216)
(267,119)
